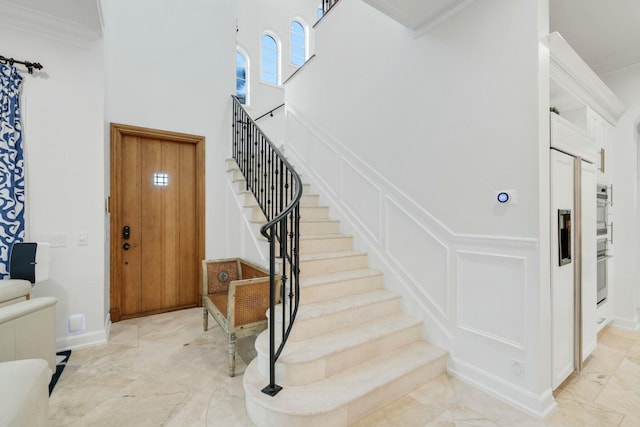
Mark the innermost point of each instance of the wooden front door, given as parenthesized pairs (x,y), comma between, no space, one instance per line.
(157,221)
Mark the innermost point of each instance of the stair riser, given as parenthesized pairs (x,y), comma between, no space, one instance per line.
(231,164)
(370,403)
(309,200)
(349,413)
(311,327)
(319,227)
(332,265)
(314,246)
(323,292)
(318,212)
(236,174)
(306,373)
(257,215)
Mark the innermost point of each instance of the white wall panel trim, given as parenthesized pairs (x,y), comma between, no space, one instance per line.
(504,296)
(538,406)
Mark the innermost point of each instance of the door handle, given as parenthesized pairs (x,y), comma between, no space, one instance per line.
(126,232)
(126,246)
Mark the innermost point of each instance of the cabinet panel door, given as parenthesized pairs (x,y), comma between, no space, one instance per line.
(562,275)
(589,254)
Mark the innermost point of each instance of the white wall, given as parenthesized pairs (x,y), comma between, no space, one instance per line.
(255,18)
(626,282)
(171,66)
(408,139)
(63,140)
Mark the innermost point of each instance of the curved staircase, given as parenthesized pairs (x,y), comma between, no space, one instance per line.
(351,349)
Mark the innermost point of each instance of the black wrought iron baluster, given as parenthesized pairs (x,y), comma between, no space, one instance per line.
(278,190)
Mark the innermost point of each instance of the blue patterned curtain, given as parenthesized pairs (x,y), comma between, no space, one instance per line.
(11,165)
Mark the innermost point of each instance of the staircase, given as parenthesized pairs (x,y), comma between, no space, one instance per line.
(351,350)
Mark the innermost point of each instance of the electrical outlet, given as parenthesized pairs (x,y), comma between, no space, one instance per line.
(517,368)
(57,240)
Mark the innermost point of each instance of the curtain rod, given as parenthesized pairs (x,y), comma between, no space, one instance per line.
(30,65)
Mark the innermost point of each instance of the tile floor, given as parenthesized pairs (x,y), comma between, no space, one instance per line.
(163,370)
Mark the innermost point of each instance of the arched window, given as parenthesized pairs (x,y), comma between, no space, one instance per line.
(298,44)
(269,49)
(241,77)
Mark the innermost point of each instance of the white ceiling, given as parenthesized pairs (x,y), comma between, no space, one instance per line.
(605,33)
(84,14)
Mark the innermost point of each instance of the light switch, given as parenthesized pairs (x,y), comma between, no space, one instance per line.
(83,239)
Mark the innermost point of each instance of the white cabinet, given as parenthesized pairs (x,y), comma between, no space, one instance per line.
(562,266)
(589,274)
(602,131)
(573,179)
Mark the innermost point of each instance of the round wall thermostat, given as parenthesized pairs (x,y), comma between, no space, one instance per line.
(503,197)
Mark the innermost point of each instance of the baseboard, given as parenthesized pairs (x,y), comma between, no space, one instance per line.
(89,339)
(538,406)
(632,324)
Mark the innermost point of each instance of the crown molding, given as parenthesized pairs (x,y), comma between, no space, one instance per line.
(48,26)
(570,71)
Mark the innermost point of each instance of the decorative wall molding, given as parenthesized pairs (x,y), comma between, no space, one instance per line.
(41,24)
(538,406)
(91,339)
(424,268)
(422,256)
(508,282)
(570,71)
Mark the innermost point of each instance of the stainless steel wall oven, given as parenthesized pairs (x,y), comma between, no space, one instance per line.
(601,261)
(602,198)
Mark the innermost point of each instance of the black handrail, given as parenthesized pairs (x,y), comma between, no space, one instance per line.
(278,189)
(269,113)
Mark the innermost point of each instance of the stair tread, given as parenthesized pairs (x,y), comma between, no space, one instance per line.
(336,341)
(321,279)
(329,255)
(325,236)
(341,389)
(321,308)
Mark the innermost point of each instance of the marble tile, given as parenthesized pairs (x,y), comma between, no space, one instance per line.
(603,361)
(634,354)
(631,421)
(478,401)
(571,413)
(584,386)
(402,412)
(164,370)
(515,418)
(616,342)
(622,392)
(459,416)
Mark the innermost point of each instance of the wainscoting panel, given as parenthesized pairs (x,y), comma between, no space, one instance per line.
(362,198)
(326,164)
(491,296)
(299,135)
(422,256)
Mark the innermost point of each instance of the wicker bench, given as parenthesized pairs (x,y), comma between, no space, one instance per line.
(236,294)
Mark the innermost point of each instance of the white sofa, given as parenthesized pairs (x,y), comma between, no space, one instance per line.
(13,291)
(27,359)
(24,393)
(28,331)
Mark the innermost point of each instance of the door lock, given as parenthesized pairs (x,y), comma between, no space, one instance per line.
(126,246)
(126,232)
